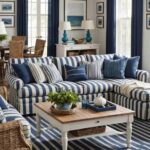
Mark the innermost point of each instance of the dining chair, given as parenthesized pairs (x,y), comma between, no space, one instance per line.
(36,51)
(16,49)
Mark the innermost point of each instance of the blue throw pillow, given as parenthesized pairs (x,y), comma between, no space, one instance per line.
(114,68)
(3,103)
(76,73)
(132,66)
(23,72)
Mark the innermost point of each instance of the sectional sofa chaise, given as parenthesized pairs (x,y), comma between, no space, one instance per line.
(24,96)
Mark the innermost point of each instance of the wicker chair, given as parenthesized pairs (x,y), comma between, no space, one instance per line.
(12,138)
(16,49)
(38,51)
(19,38)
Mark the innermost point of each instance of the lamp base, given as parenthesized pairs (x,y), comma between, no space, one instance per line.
(65,37)
(88,37)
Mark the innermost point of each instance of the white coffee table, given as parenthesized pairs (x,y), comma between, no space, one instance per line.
(84,118)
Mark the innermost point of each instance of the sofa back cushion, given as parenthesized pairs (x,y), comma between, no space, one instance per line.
(74,61)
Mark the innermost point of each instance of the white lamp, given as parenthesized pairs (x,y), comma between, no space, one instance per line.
(88,25)
(65,26)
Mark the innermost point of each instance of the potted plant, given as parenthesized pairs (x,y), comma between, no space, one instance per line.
(63,100)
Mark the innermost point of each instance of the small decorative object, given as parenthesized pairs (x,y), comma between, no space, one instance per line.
(85,104)
(100,8)
(88,25)
(78,41)
(100,21)
(100,101)
(64,100)
(7,7)
(9,21)
(65,26)
(3,33)
(148,5)
(75,12)
(148,21)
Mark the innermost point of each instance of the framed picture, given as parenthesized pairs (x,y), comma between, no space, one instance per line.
(75,12)
(100,21)
(7,7)
(148,5)
(100,8)
(9,21)
(148,21)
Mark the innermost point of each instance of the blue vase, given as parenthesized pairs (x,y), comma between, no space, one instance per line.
(88,37)
(66,106)
(65,37)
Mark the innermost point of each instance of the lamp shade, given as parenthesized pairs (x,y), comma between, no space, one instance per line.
(88,24)
(65,25)
(2,28)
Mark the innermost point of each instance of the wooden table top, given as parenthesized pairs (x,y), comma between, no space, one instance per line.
(82,114)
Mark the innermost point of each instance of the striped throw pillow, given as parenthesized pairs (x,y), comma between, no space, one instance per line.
(2,117)
(76,73)
(37,72)
(52,73)
(94,69)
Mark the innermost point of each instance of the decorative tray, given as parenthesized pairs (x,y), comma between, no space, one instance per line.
(109,106)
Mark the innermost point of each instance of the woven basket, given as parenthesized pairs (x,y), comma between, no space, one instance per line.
(88,131)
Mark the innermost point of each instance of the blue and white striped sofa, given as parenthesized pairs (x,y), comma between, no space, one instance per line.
(24,96)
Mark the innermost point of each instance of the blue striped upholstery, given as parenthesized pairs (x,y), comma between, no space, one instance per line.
(12,114)
(142,75)
(95,86)
(74,61)
(99,57)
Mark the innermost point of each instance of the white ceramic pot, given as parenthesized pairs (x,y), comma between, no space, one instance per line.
(100,101)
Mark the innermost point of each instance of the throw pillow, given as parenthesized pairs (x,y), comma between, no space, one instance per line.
(2,117)
(76,73)
(23,72)
(52,73)
(115,68)
(3,103)
(37,72)
(94,69)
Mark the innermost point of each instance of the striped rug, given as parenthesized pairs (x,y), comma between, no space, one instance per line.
(50,139)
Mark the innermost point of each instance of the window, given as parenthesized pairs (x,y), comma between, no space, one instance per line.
(123,27)
(37,21)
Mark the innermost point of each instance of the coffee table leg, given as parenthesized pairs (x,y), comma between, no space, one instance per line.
(64,140)
(38,120)
(129,134)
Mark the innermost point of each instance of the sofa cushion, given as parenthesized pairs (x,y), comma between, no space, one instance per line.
(12,114)
(67,85)
(3,103)
(95,86)
(2,117)
(35,90)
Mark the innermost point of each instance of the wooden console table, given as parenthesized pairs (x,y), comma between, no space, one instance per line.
(76,49)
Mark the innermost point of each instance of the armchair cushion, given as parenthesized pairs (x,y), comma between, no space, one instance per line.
(2,117)
(3,103)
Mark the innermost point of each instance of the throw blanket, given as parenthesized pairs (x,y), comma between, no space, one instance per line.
(128,86)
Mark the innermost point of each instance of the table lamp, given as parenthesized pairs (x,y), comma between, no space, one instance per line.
(65,26)
(3,33)
(88,25)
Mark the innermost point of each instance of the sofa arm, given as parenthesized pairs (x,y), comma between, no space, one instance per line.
(142,75)
(14,82)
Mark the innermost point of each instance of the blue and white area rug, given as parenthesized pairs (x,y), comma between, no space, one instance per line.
(51,139)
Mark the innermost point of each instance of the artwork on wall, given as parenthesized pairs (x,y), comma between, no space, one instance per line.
(100,21)
(148,21)
(7,7)
(148,5)
(100,8)
(9,21)
(75,12)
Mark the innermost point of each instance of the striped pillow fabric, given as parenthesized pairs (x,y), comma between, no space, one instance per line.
(52,73)
(37,72)
(94,69)
(2,117)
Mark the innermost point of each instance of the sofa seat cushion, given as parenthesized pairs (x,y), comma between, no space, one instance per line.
(138,94)
(67,85)
(35,90)
(12,114)
(95,86)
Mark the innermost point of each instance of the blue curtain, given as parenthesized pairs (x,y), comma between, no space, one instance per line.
(111,27)
(53,24)
(137,29)
(22,17)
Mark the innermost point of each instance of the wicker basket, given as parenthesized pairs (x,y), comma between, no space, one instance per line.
(88,131)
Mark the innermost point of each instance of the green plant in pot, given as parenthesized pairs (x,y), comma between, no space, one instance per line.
(64,100)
